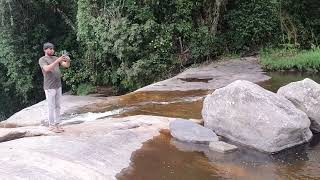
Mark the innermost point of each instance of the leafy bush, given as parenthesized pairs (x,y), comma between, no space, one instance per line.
(132,44)
(249,25)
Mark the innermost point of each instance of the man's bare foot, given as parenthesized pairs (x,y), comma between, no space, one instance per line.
(54,129)
(60,128)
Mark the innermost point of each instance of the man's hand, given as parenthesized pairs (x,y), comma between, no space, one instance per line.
(65,61)
(66,58)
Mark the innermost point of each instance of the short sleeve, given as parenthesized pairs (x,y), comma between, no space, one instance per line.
(43,62)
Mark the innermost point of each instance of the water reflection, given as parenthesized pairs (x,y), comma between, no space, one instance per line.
(159,160)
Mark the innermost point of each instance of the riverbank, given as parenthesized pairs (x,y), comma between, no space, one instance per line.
(291,59)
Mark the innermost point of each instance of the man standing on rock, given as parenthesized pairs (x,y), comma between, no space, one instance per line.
(52,83)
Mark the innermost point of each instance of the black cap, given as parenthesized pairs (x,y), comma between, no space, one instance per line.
(47,45)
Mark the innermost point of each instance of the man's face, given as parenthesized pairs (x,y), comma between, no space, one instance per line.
(49,51)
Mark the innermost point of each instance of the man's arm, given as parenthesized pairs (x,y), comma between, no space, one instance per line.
(50,67)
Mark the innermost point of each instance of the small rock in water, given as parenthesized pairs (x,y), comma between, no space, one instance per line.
(222,147)
(189,131)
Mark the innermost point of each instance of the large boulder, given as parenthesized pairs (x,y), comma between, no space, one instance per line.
(305,95)
(246,113)
(192,132)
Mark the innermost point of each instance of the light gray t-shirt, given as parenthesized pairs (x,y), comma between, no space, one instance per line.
(51,80)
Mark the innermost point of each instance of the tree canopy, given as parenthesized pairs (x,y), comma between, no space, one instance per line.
(128,44)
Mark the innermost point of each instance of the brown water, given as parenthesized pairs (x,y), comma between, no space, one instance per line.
(182,104)
(159,159)
(165,159)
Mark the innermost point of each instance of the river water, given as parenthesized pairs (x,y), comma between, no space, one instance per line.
(163,158)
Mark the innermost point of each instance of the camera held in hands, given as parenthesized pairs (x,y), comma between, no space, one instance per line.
(66,54)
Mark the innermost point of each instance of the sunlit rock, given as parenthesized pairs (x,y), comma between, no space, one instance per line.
(246,113)
(305,95)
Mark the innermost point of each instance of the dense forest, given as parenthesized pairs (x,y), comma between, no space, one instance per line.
(127,44)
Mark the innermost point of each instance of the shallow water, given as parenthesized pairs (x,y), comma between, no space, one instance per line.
(283,78)
(163,158)
(181,104)
(160,159)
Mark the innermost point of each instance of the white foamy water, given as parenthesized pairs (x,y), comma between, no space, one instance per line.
(185,99)
(85,117)
(80,118)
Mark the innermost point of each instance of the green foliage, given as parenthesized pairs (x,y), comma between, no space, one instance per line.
(204,44)
(85,89)
(300,22)
(132,43)
(251,24)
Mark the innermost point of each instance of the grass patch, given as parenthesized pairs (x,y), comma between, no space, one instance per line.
(291,59)
(85,89)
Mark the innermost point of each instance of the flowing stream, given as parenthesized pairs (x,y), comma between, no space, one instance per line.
(163,158)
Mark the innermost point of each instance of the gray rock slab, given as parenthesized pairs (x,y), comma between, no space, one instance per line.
(91,150)
(222,147)
(305,95)
(33,115)
(218,75)
(189,131)
(7,134)
(250,115)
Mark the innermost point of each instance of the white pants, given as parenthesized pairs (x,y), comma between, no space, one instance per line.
(53,97)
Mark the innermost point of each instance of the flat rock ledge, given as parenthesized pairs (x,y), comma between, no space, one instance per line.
(92,150)
(34,115)
(212,76)
(7,134)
